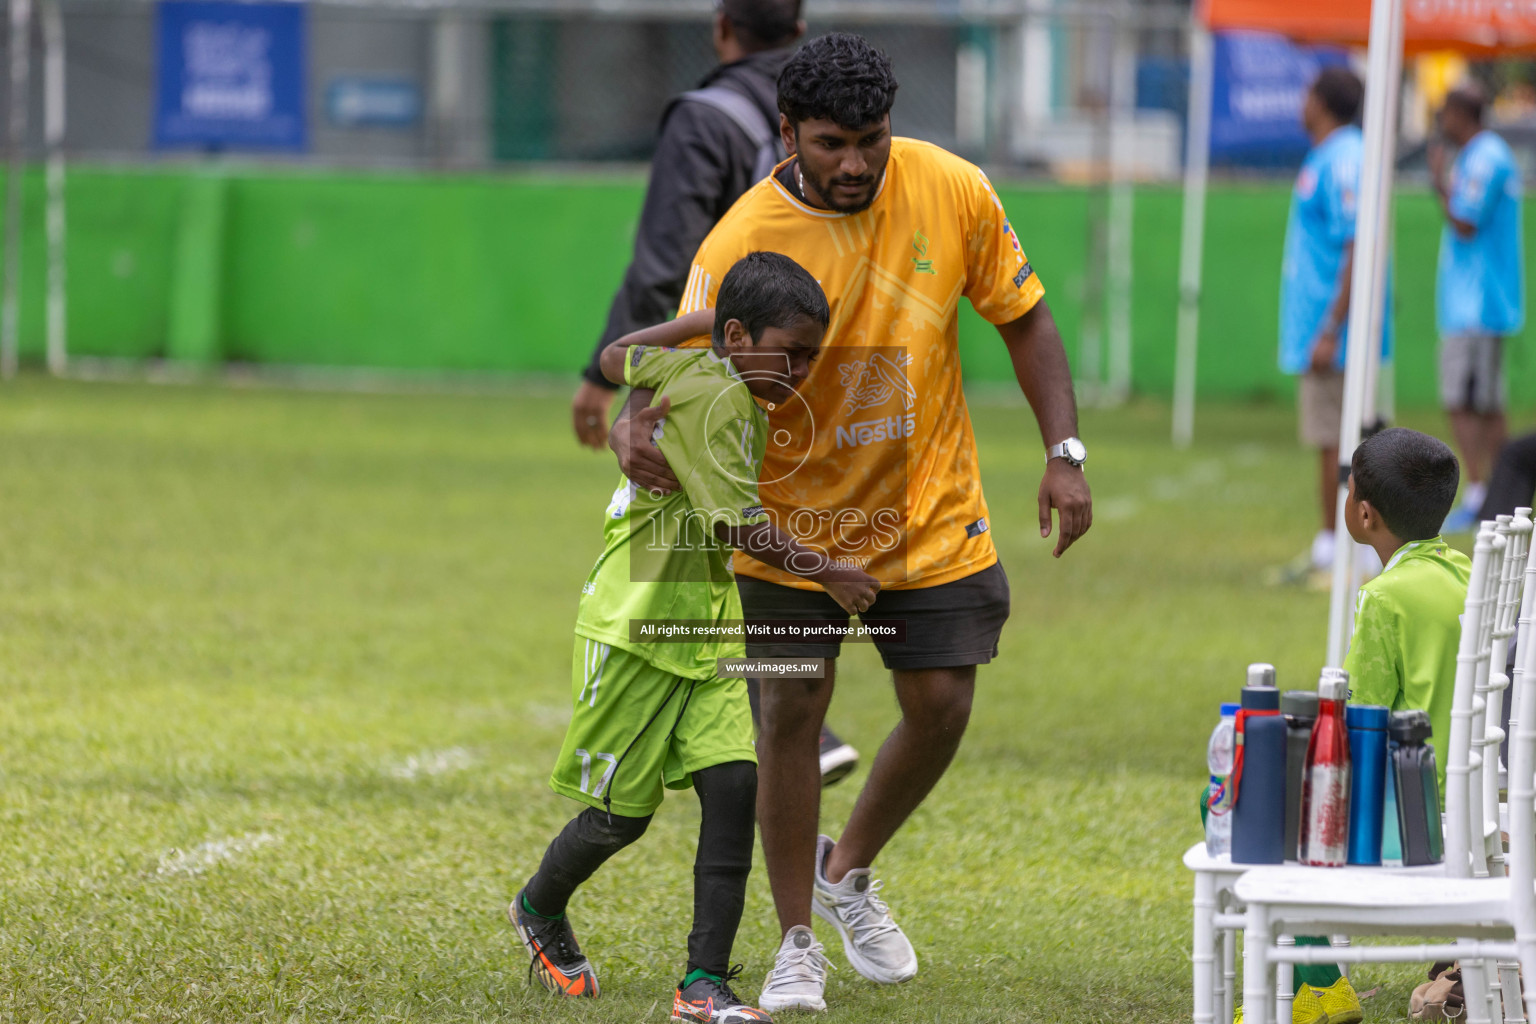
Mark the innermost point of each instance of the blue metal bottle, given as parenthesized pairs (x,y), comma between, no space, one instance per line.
(1367,725)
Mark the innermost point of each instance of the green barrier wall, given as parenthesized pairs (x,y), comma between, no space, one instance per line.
(515,273)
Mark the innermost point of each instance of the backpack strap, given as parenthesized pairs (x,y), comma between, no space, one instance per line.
(749,118)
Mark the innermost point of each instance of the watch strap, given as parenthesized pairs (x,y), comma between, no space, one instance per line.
(1063,450)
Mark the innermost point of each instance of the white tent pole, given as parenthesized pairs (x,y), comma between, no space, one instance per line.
(53,130)
(1197,162)
(1380,143)
(1122,209)
(1378,308)
(21,33)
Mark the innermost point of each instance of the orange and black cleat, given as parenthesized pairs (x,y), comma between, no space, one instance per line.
(554,956)
(711,1001)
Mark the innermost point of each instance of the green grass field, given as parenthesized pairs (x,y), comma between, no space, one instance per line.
(284,673)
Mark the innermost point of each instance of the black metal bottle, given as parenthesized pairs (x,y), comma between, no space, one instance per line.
(1300,710)
(1417,788)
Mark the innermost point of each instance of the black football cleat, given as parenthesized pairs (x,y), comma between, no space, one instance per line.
(554,957)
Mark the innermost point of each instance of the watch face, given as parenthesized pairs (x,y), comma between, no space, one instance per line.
(1076,450)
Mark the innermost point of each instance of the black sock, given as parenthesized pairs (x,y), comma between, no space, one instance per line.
(580,849)
(728,799)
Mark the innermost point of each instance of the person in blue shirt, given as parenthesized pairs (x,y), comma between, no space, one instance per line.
(1480,289)
(1315,284)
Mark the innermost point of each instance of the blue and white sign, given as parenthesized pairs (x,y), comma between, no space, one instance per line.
(357,101)
(231,75)
(1259,85)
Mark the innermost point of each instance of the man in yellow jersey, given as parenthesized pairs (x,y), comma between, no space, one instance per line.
(874,462)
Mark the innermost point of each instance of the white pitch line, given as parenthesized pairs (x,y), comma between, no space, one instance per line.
(206,855)
(547,715)
(432,762)
(1114,510)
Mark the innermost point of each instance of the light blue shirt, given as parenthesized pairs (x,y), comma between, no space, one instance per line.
(1481,285)
(1320,227)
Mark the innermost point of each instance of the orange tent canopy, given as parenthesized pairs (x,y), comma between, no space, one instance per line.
(1481,27)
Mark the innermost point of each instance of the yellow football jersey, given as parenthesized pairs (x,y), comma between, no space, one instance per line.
(874,461)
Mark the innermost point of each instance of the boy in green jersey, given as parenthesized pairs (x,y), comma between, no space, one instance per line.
(1407,622)
(651,714)
(1402,485)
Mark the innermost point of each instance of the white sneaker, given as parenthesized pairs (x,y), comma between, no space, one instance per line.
(872,941)
(1323,547)
(798,980)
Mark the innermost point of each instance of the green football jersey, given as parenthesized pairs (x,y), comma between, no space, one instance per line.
(661,559)
(1407,630)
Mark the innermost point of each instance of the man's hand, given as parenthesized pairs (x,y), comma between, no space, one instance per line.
(589,414)
(640,460)
(856,593)
(1065,489)
(1325,350)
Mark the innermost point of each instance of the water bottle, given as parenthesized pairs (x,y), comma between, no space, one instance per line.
(1218,757)
(1258,775)
(1418,788)
(1367,726)
(1391,833)
(1300,710)
(1325,779)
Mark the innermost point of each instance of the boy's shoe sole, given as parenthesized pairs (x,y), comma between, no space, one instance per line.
(580,984)
(837,763)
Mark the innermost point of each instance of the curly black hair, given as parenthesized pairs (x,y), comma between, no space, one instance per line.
(840,78)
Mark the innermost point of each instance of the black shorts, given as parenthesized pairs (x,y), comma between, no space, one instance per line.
(947,626)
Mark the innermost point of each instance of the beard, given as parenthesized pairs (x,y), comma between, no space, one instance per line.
(824,187)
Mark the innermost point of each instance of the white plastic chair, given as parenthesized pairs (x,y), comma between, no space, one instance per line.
(1466,793)
(1482,913)
(1511,597)
(1218,915)
(1217,922)
(1527,616)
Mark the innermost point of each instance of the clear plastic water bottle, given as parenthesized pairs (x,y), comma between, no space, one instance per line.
(1218,757)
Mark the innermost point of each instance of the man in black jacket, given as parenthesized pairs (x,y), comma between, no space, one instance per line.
(705,159)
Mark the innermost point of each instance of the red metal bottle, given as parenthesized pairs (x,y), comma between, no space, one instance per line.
(1325,779)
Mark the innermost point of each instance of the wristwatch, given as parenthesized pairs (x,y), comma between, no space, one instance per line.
(1072,449)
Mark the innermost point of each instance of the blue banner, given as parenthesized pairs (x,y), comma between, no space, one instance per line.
(1257,92)
(353,101)
(231,75)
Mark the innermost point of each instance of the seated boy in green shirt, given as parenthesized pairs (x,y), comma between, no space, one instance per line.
(1407,625)
(1402,485)
(654,714)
